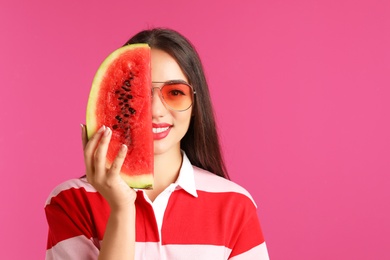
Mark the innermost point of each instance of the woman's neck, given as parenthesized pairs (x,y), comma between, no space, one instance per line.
(166,170)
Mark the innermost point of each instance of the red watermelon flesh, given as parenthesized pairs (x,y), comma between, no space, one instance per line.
(120,98)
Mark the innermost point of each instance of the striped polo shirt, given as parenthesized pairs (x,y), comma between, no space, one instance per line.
(200,216)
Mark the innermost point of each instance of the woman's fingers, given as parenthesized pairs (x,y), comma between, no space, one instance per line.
(95,154)
(119,159)
(89,150)
(107,182)
(84,137)
(101,153)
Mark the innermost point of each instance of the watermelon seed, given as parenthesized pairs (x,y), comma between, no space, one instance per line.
(129,96)
(120,103)
(125,100)
(118,118)
(120,98)
(127,83)
(125,88)
(132,110)
(126,105)
(122,94)
(126,115)
(117,91)
(115,127)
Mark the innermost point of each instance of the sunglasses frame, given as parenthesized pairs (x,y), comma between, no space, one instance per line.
(175,81)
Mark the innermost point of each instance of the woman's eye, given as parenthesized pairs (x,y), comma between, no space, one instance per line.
(176,92)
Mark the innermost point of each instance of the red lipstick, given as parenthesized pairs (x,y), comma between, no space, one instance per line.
(161,130)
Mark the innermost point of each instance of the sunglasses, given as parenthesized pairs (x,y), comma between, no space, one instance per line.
(177,95)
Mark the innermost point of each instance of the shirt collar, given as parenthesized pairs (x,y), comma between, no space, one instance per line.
(186,179)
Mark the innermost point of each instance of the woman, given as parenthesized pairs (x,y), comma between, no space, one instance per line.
(193,211)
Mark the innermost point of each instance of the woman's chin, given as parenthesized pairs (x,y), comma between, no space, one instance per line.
(161,148)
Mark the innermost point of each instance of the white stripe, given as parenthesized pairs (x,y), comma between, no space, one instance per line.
(154,251)
(74,183)
(196,252)
(259,252)
(74,248)
(206,181)
(81,248)
(147,250)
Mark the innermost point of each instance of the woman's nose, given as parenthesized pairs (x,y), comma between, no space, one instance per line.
(158,107)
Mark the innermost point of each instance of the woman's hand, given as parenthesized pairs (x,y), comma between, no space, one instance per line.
(107,182)
(119,236)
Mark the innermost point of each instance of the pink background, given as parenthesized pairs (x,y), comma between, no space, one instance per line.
(301,90)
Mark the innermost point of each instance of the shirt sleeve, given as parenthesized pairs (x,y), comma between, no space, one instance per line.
(250,243)
(72,229)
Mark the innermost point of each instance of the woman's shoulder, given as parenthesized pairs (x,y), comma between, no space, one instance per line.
(71,186)
(209,182)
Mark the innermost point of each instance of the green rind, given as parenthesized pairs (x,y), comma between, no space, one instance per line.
(91,106)
(144,181)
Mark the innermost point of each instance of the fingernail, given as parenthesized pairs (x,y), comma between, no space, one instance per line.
(82,126)
(124,147)
(103,128)
(107,132)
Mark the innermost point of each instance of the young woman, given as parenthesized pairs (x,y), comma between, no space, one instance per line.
(193,212)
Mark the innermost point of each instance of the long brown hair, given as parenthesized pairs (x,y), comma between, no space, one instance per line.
(201,142)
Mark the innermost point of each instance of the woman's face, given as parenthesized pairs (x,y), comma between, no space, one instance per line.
(169,126)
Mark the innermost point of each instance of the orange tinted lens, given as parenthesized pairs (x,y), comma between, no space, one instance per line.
(178,96)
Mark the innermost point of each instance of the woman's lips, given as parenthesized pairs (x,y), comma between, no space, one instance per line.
(160,131)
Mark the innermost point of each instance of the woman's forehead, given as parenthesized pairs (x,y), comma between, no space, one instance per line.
(164,67)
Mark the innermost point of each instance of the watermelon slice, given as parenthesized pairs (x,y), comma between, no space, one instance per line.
(120,98)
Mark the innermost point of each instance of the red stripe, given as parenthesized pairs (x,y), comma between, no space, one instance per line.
(75,212)
(146,225)
(225,218)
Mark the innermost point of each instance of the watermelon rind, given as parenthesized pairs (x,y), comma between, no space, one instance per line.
(144,181)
